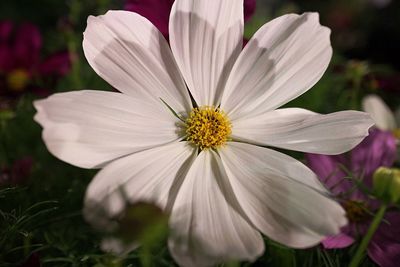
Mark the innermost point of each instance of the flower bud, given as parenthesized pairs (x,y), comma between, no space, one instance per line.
(143,222)
(139,224)
(386,184)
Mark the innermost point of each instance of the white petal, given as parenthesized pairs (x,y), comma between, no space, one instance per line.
(380,112)
(284,59)
(206,223)
(206,38)
(154,176)
(117,246)
(127,51)
(90,128)
(303,130)
(280,195)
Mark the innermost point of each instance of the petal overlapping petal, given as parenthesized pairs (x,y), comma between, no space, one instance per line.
(281,196)
(284,59)
(127,51)
(338,241)
(91,128)
(328,170)
(377,150)
(303,130)
(206,221)
(154,175)
(380,112)
(206,38)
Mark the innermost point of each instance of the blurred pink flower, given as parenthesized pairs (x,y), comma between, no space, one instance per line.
(378,149)
(20,60)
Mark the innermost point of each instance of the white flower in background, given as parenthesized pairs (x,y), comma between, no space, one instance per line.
(380,3)
(209,168)
(384,118)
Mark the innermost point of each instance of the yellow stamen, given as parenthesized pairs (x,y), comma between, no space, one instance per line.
(17,80)
(355,211)
(396,133)
(208,127)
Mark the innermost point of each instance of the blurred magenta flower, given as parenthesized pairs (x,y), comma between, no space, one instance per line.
(389,83)
(17,173)
(21,67)
(32,261)
(378,149)
(159,16)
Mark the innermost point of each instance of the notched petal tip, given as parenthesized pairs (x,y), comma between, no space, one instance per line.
(365,119)
(37,104)
(96,19)
(370,121)
(91,19)
(313,18)
(40,115)
(284,58)
(360,130)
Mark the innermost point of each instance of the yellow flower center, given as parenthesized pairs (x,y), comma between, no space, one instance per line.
(208,127)
(396,133)
(17,80)
(355,211)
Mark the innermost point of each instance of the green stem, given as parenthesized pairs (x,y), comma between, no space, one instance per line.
(3,144)
(76,68)
(365,241)
(116,263)
(145,256)
(355,92)
(27,244)
(232,264)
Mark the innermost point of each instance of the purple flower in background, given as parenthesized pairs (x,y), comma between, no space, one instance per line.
(378,149)
(389,83)
(17,173)
(21,66)
(157,11)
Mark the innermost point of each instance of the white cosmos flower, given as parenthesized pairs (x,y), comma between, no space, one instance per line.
(384,118)
(222,196)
